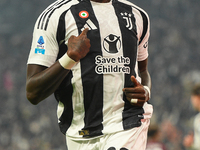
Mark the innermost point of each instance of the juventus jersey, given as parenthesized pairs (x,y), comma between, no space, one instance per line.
(90,99)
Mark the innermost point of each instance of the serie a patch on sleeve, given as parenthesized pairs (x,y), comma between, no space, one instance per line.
(40,46)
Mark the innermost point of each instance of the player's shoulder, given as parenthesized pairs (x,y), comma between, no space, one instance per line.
(60,5)
(52,13)
(141,10)
(57,8)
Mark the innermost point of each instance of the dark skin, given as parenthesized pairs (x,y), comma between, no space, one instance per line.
(138,91)
(41,81)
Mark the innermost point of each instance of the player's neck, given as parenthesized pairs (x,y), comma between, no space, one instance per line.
(101,1)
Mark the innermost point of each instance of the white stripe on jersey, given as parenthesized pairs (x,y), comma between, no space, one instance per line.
(112,101)
(78,101)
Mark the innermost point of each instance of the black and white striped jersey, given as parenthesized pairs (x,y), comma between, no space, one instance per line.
(90,99)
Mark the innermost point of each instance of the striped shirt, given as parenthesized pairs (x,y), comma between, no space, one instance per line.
(90,99)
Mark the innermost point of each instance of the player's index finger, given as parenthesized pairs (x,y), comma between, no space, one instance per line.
(85,31)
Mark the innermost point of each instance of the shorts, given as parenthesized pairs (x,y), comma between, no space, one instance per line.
(132,139)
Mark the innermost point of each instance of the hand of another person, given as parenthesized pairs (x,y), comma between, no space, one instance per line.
(79,46)
(137,95)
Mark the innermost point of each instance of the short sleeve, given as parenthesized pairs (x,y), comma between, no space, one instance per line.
(144,38)
(44,48)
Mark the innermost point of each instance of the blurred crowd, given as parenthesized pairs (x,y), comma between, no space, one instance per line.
(174,51)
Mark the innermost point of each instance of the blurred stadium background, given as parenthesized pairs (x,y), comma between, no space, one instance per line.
(174,65)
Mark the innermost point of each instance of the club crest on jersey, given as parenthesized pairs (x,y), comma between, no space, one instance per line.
(40,46)
(112,43)
(127,17)
(83,14)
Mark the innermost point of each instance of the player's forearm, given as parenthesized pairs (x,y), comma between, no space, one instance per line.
(44,83)
(146,82)
(146,78)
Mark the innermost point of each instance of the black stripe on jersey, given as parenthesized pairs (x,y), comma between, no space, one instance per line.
(50,12)
(92,82)
(145,25)
(44,12)
(130,113)
(53,11)
(65,90)
(60,35)
(64,95)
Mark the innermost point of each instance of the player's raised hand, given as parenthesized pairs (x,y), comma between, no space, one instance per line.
(79,46)
(137,95)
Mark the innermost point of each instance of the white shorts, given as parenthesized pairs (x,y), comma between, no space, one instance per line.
(133,139)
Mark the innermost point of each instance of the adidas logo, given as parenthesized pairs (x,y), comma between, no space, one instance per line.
(90,25)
